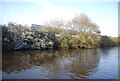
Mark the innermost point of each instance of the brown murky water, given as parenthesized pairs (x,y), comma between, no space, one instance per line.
(61,64)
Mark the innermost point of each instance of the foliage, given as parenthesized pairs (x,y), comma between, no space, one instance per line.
(116,40)
(79,32)
(64,40)
(52,30)
(118,79)
(82,33)
(7,38)
(105,41)
(16,37)
(53,27)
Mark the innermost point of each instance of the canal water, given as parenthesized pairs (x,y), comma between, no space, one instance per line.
(99,63)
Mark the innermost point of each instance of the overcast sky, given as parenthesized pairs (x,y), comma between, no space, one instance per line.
(104,14)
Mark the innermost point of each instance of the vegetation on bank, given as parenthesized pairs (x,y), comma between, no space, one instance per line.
(80,32)
(118,79)
(106,41)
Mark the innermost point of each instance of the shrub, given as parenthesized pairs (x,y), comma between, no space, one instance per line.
(105,41)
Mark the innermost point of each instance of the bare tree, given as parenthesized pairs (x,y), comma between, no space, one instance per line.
(54,26)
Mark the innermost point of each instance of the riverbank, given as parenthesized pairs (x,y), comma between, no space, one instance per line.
(18,37)
(80,32)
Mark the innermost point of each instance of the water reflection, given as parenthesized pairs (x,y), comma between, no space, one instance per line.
(73,64)
(105,50)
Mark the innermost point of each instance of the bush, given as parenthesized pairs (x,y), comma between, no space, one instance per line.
(105,41)
(118,79)
(116,40)
(7,39)
(17,37)
(64,40)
